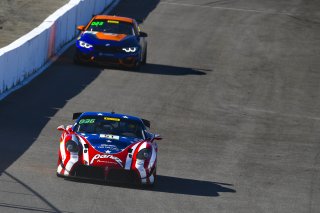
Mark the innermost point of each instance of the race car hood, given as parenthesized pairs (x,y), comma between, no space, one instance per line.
(109,144)
(99,38)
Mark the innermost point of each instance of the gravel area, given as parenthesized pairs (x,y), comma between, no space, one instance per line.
(18,17)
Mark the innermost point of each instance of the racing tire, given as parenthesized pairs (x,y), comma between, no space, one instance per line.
(77,61)
(137,66)
(152,185)
(144,60)
(155,181)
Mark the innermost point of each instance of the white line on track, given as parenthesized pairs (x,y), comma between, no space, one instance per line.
(228,8)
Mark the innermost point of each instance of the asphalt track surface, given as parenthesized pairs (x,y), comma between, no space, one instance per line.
(232,86)
(18,17)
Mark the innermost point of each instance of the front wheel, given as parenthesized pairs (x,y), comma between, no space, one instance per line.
(77,60)
(154,180)
(137,66)
(144,59)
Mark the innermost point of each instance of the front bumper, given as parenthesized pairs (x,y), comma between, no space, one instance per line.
(101,57)
(110,175)
(107,174)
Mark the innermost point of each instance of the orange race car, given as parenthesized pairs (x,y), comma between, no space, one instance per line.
(111,40)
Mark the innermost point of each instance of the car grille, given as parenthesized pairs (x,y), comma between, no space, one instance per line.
(114,175)
(89,172)
(108,49)
(122,176)
(107,60)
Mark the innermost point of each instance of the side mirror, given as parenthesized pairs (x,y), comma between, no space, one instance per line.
(69,128)
(76,115)
(61,128)
(81,28)
(157,137)
(143,34)
(140,20)
(146,123)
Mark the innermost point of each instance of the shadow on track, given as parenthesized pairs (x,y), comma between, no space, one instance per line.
(25,112)
(170,70)
(138,9)
(174,185)
(160,69)
(191,187)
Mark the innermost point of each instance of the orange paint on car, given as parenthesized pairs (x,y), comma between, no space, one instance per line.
(112,37)
(115,18)
(106,17)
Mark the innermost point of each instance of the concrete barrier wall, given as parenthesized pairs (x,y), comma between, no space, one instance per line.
(24,58)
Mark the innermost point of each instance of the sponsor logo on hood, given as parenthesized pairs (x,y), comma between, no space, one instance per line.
(98,156)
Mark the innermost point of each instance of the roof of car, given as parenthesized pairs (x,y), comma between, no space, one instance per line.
(116,18)
(111,114)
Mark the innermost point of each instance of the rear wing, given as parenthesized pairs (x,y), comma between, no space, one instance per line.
(146,123)
(76,115)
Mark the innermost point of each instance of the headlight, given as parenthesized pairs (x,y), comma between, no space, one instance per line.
(129,49)
(144,154)
(85,45)
(72,146)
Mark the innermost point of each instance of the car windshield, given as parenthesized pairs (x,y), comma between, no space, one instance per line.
(110,125)
(111,26)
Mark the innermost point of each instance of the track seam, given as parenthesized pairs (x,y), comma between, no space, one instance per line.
(229,8)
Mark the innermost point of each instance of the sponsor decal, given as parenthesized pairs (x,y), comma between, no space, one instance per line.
(74,156)
(102,146)
(140,162)
(106,54)
(90,32)
(111,119)
(109,162)
(113,22)
(98,157)
(109,147)
(115,137)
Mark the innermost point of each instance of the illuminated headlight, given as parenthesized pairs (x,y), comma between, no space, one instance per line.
(85,45)
(72,146)
(144,154)
(130,49)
